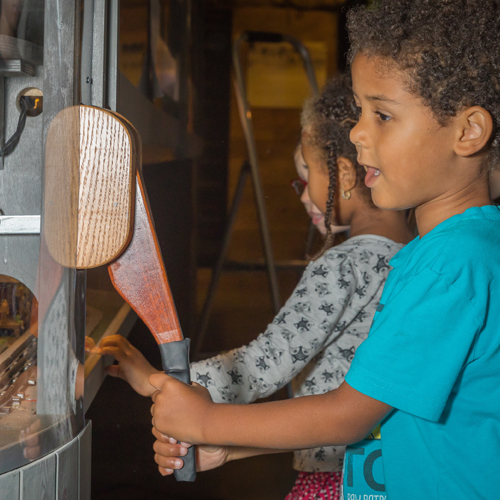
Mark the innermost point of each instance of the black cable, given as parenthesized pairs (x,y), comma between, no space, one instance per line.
(11,144)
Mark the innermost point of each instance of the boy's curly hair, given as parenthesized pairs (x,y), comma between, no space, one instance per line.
(328,120)
(450,50)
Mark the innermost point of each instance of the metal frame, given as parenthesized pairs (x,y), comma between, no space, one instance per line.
(251,168)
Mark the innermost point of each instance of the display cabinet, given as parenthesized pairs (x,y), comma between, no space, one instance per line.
(55,54)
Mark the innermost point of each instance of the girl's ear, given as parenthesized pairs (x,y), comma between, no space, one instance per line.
(347,173)
(475,127)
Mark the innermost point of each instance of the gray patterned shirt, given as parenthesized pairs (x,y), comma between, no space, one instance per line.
(313,338)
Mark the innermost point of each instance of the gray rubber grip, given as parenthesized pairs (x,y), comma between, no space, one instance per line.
(175,361)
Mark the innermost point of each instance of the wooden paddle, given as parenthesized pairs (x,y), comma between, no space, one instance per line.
(108,229)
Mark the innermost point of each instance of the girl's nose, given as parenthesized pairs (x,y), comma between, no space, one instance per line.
(358,135)
(304,197)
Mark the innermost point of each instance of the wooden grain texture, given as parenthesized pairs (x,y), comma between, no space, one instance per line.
(106,188)
(62,162)
(89,187)
(140,278)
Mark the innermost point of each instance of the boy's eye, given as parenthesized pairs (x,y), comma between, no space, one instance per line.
(383,118)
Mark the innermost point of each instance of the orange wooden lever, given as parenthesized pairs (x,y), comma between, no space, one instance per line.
(139,275)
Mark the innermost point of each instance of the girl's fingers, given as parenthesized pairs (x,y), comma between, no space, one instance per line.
(165,472)
(113,370)
(167,439)
(111,350)
(169,462)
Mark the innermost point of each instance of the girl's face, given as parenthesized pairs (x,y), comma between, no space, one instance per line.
(399,142)
(317,217)
(318,180)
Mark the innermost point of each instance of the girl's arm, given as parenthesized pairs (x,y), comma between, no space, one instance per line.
(339,417)
(169,453)
(304,325)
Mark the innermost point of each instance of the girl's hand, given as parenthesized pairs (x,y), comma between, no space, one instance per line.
(132,365)
(169,455)
(180,410)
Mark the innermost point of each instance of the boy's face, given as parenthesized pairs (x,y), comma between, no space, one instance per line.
(409,156)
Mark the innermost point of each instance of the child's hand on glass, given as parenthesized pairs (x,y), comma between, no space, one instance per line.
(132,366)
(169,453)
(180,410)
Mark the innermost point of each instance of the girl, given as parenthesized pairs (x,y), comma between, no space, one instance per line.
(426,77)
(313,338)
(300,187)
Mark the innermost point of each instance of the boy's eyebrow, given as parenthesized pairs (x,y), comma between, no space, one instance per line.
(381,97)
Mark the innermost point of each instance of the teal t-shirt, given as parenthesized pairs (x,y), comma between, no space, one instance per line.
(433,353)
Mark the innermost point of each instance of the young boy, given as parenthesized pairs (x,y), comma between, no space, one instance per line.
(426,77)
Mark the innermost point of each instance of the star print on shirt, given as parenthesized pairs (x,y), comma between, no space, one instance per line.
(327,376)
(258,384)
(327,307)
(235,376)
(280,319)
(301,292)
(321,270)
(301,307)
(261,364)
(342,283)
(322,289)
(205,379)
(311,386)
(299,354)
(303,325)
(382,264)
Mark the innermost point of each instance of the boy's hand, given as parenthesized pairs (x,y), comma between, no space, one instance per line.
(180,410)
(132,365)
(169,455)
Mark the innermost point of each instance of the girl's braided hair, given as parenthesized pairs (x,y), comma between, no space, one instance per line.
(328,120)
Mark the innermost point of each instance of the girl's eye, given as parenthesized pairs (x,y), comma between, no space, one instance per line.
(382,117)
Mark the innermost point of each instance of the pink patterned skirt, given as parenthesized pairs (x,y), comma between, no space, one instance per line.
(316,486)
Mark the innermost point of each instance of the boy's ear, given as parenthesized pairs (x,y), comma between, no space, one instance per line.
(475,128)
(347,173)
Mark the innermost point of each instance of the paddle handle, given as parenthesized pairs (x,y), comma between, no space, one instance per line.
(139,277)
(175,361)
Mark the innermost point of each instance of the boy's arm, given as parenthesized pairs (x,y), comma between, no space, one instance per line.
(340,417)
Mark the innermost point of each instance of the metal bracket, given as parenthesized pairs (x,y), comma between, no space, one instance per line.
(19,224)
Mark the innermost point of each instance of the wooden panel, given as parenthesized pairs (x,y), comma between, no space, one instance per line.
(89,187)
(106,182)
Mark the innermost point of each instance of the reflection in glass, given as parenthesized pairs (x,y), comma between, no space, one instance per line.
(17,348)
(22,19)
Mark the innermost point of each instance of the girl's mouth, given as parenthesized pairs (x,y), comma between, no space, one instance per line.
(316,218)
(371,176)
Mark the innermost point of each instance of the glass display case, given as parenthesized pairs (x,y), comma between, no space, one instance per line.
(44,447)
